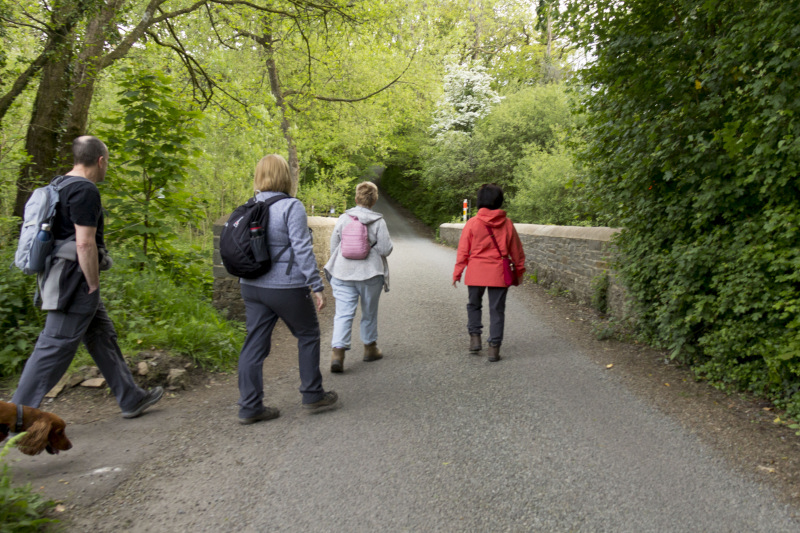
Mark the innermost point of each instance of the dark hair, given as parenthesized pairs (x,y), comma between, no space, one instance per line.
(86,150)
(490,196)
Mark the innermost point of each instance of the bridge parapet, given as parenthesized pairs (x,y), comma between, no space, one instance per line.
(226,287)
(571,258)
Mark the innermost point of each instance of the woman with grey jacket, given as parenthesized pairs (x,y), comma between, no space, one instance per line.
(354,279)
(285,292)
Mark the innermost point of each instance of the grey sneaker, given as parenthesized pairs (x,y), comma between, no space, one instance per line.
(329,398)
(151,398)
(267,414)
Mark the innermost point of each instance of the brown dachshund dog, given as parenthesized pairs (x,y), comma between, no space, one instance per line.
(44,431)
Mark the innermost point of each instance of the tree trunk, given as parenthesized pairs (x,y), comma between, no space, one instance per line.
(87,69)
(46,130)
(277,92)
(62,23)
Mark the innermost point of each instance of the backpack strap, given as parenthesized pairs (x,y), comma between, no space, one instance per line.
(494,240)
(268,202)
(59,182)
(70,253)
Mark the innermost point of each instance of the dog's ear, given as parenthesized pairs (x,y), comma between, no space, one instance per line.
(35,439)
(58,440)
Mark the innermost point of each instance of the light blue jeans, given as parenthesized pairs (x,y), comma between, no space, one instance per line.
(347,294)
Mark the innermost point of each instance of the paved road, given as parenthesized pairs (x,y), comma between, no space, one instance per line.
(428,439)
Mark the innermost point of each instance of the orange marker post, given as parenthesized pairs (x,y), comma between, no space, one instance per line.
(466,207)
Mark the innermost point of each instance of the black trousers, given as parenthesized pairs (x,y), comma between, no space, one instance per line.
(497,312)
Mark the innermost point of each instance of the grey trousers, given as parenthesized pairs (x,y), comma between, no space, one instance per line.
(497,312)
(87,321)
(263,308)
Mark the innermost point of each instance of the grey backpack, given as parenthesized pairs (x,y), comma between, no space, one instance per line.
(33,249)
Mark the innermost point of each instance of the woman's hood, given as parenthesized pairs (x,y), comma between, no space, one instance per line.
(364,215)
(493,217)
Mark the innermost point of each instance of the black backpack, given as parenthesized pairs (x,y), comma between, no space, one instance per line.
(243,242)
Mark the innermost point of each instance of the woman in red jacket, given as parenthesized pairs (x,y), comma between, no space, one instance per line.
(479,251)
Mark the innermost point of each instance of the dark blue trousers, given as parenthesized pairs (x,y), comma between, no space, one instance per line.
(263,308)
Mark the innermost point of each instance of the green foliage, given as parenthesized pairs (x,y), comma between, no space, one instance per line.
(151,140)
(694,149)
(528,120)
(600,285)
(20,323)
(542,179)
(151,309)
(520,145)
(330,190)
(21,508)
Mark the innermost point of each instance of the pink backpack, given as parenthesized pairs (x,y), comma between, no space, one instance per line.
(355,243)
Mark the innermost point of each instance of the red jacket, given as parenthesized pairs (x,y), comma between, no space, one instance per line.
(476,249)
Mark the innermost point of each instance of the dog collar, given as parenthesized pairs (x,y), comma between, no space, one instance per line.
(18,427)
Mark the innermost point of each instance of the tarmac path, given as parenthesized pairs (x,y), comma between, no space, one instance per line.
(430,438)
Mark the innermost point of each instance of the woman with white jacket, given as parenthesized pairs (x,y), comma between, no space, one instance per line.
(358,279)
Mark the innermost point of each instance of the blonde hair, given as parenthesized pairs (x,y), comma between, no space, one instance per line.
(366,194)
(272,174)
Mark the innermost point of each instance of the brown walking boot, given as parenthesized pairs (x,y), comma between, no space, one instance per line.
(494,353)
(337,360)
(474,343)
(371,352)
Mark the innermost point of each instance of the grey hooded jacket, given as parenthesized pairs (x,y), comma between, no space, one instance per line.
(375,264)
(293,266)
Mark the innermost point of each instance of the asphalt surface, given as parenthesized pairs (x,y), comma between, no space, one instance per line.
(430,438)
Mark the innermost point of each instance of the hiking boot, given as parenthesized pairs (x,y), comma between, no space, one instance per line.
(267,414)
(494,353)
(337,360)
(151,398)
(329,398)
(371,352)
(474,343)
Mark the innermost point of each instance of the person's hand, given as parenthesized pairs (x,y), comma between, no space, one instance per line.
(455,283)
(319,298)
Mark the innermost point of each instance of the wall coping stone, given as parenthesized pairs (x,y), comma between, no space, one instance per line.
(564,232)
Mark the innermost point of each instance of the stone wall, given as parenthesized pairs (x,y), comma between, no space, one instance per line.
(227,296)
(570,258)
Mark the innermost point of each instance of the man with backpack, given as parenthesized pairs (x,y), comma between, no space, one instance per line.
(70,292)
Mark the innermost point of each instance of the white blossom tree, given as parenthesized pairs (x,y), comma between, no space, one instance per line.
(468,97)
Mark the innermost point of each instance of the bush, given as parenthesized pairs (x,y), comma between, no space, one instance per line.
(694,149)
(327,190)
(542,179)
(150,309)
(21,509)
(20,323)
(526,122)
